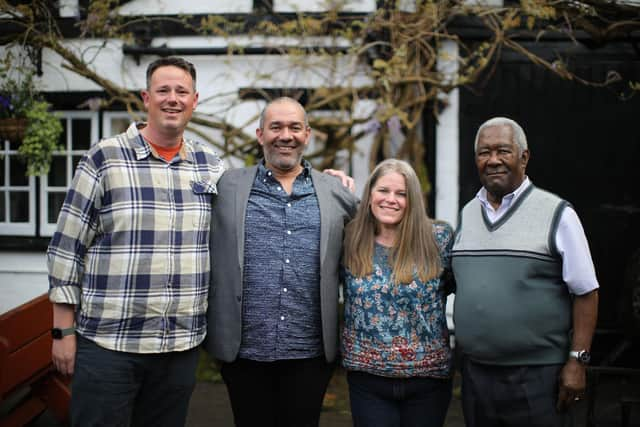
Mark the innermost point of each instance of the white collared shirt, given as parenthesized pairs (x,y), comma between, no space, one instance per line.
(577,267)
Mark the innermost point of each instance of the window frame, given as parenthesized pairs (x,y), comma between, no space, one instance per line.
(108,116)
(7,227)
(46,228)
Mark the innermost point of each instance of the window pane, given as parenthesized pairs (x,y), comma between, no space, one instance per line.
(14,145)
(19,206)
(63,136)
(58,172)
(55,204)
(17,171)
(119,125)
(2,157)
(3,217)
(75,160)
(81,134)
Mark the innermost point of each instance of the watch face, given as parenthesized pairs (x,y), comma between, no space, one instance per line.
(56,333)
(584,357)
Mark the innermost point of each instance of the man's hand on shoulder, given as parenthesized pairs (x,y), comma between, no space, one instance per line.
(346,180)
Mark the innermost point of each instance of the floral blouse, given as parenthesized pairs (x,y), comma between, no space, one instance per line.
(398,330)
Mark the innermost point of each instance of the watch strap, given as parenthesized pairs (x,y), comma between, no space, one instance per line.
(61,333)
(582,356)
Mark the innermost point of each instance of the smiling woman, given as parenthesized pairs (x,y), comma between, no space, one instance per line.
(388,203)
(395,338)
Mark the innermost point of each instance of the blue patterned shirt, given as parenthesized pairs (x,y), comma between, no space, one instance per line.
(397,330)
(131,249)
(281,289)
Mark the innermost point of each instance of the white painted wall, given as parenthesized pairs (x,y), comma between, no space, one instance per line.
(283,6)
(169,7)
(172,7)
(23,276)
(494,3)
(69,8)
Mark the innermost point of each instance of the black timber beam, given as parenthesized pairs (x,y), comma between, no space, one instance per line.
(190,25)
(138,50)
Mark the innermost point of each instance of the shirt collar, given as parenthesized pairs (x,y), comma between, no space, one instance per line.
(264,170)
(143,149)
(507,199)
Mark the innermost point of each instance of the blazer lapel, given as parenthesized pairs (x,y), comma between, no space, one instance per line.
(324,201)
(243,190)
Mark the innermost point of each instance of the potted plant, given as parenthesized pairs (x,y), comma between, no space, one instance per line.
(15,98)
(25,117)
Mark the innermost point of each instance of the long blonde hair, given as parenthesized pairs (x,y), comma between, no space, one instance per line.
(414,251)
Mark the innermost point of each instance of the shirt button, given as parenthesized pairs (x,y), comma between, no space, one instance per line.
(288,205)
(284,290)
(287,260)
(279,188)
(288,231)
(281,317)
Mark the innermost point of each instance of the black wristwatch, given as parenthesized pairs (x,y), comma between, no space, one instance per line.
(58,334)
(582,356)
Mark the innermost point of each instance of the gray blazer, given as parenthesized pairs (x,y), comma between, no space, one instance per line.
(224,316)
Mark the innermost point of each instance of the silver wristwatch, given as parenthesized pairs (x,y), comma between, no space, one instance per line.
(582,356)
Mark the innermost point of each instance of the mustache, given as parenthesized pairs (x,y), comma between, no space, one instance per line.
(286,144)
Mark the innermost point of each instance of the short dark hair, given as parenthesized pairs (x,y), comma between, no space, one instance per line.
(171,61)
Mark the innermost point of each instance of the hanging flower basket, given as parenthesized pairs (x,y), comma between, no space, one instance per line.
(12,128)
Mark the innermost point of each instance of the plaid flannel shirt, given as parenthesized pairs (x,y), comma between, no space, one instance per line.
(131,249)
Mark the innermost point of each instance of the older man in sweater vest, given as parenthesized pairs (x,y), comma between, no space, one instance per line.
(526,299)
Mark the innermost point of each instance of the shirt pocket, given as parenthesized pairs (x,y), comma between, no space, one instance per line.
(202,193)
(204,187)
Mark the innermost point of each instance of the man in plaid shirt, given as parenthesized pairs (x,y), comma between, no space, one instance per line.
(129,263)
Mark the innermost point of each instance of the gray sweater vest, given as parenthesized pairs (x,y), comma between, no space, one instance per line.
(512,306)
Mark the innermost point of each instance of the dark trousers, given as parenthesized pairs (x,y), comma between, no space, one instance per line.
(113,388)
(398,402)
(510,396)
(277,394)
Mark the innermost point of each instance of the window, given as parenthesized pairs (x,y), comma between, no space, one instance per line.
(115,122)
(29,206)
(80,130)
(17,193)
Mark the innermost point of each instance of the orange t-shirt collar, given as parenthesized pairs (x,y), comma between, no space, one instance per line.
(167,153)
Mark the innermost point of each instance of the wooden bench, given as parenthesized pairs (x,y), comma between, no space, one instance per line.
(25,365)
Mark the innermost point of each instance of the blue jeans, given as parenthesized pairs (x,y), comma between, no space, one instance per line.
(114,388)
(398,402)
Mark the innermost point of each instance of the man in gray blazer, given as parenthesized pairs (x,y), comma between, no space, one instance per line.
(276,242)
